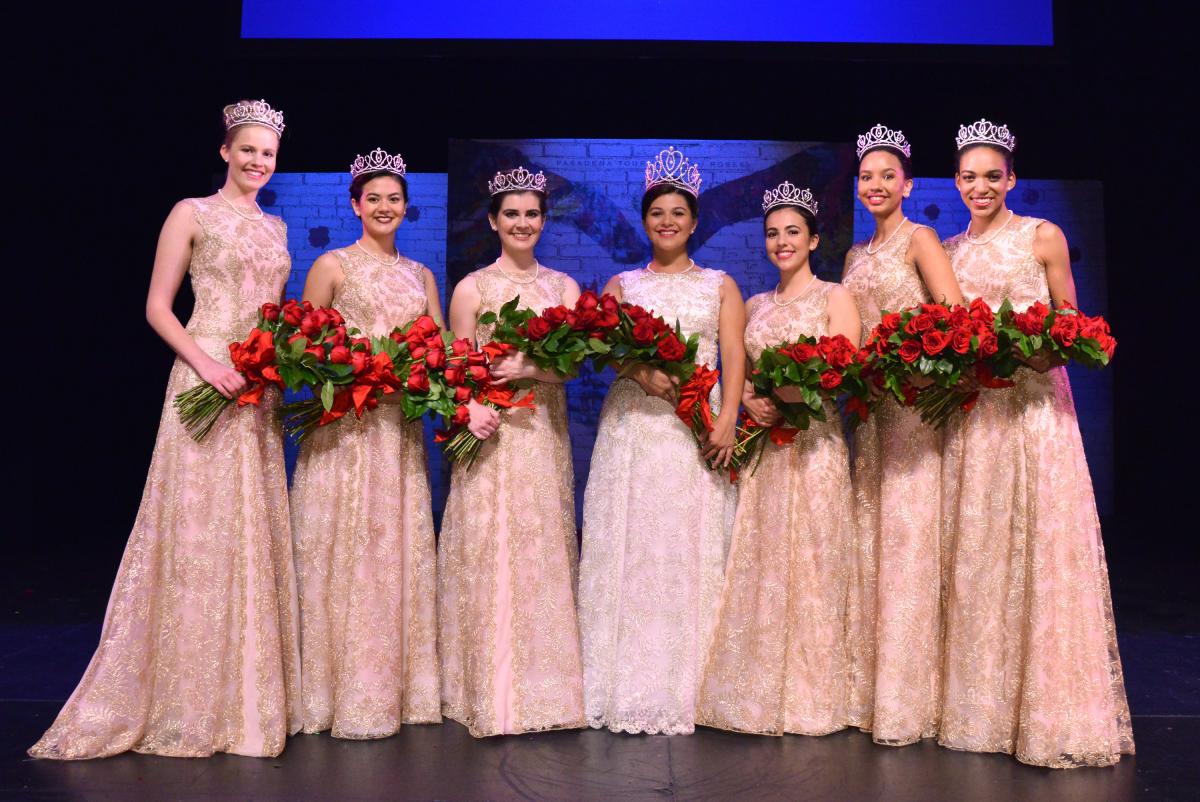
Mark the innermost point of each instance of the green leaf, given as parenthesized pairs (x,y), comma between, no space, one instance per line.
(327,396)
(487,318)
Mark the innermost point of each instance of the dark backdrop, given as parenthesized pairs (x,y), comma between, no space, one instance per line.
(131,107)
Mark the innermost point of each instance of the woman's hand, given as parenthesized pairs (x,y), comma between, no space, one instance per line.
(718,445)
(761,409)
(655,382)
(228,381)
(513,366)
(484,420)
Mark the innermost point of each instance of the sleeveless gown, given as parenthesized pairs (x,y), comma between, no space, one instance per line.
(1032,667)
(778,661)
(508,559)
(894,606)
(198,650)
(365,554)
(655,535)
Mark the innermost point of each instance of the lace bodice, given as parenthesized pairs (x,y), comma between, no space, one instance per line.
(1003,267)
(375,297)
(496,289)
(883,280)
(768,324)
(693,298)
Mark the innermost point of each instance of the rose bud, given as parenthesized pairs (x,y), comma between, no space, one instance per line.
(358,360)
(462,394)
(476,358)
(935,342)
(292,314)
(960,340)
(538,328)
(671,349)
(310,325)
(587,301)
(462,415)
(643,333)
(988,344)
(316,350)
(455,375)
(478,373)
(436,358)
(339,355)
(270,312)
(555,315)
(609,304)
(418,352)
(364,342)
(830,379)
(418,382)
(461,347)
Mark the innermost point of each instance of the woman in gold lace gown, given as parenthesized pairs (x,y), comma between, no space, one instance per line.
(778,662)
(198,651)
(894,606)
(361,510)
(1032,667)
(508,555)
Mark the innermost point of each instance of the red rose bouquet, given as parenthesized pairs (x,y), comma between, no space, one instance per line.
(645,338)
(473,380)
(937,346)
(1064,334)
(255,358)
(820,370)
(560,339)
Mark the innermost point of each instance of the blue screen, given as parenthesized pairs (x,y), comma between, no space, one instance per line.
(938,22)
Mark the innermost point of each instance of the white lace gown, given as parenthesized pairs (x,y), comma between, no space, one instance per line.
(656,527)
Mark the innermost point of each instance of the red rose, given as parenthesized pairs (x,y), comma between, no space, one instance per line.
(635,312)
(455,375)
(359,361)
(418,381)
(335,317)
(337,336)
(461,394)
(461,347)
(555,315)
(979,310)
(587,301)
(310,325)
(830,379)
(424,325)
(339,355)
(585,320)
(478,373)
(608,320)
(890,324)
(476,358)
(643,333)
(360,342)
(317,351)
(671,348)
(435,359)
(1065,329)
(538,328)
(462,415)
(609,304)
(298,336)
(959,317)
(910,350)
(935,341)
(270,311)
(924,322)
(418,352)
(306,306)
(1027,324)
(802,352)
(936,311)
(292,313)
(988,344)
(960,340)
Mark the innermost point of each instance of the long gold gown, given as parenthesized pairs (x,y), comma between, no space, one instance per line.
(508,559)
(1032,667)
(894,608)
(778,662)
(365,554)
(198,652)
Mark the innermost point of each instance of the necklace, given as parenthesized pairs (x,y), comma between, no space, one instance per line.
(238,211)
(977,241)
(799,295)
(691,265)
(537,266)
(384,262)
(883,244)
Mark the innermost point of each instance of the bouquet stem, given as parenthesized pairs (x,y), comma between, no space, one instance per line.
(199,409)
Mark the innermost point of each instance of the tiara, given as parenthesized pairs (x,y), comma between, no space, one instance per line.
(518,180)
(253,112)
(672,167)
(377,160)
(786,194)
(882,136)
(985,133)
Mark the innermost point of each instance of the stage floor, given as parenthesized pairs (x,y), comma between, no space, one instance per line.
(47,639)
(444,762)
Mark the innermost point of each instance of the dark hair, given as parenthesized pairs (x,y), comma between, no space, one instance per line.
(654,193)
(810,219)
(498,200)
(905,162)
(360,181)
(1006,154)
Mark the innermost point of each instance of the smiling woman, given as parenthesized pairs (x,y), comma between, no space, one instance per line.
(209,561)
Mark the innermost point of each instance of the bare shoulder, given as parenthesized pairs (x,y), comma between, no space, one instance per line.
(1047,233)
(925,237)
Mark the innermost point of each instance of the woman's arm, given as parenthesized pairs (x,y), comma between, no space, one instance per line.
(1050,248)
(323,281)
(731,329)
(927,253)
(433,301)
(171,260)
